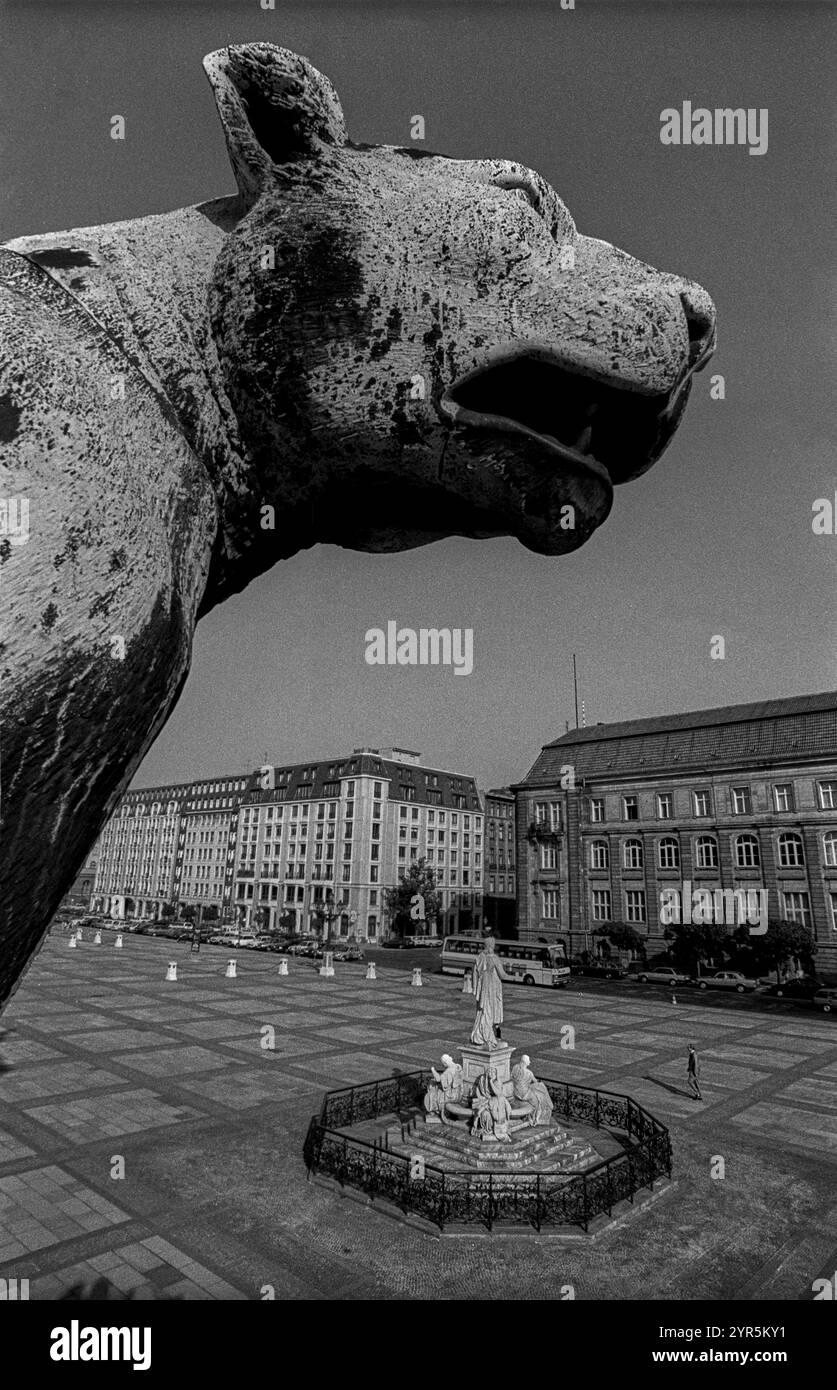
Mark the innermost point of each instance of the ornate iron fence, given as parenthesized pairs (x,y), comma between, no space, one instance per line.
(470,1198)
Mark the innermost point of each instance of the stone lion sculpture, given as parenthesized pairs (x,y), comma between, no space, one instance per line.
(366,345)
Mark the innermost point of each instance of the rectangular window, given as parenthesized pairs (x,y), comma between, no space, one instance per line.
(783,796)
(742,802)
(700,802)
(597,808)
(550,904)
(635,905)
(630,808)
(798,908)
(601,905)
(832,902)
(828,796)
(664,805)
(549,857)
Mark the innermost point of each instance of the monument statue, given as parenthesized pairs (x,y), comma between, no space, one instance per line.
(447,1086)
(487,977)
(526,1087)
(492,1109)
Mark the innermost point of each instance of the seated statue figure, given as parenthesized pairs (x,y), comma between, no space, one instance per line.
(447,1086)
(492,1110)
(527,1088)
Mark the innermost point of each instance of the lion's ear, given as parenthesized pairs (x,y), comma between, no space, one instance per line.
(275,108)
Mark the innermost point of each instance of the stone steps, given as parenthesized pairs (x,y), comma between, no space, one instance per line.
(544,1149)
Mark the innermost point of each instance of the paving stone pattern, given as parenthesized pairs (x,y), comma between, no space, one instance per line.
(152,1135)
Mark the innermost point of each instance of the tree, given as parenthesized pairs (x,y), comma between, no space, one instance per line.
(188,912)
(167,910)
(414,902)
(622,935)
(693,944)
(781,943)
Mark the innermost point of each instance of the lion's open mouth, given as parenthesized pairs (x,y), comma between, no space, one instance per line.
(581,419)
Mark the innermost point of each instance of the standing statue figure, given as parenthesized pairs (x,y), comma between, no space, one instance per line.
(447,1086)
(492,1110)
(527,1088)
(487,977)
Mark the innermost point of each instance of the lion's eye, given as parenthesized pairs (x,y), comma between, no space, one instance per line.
(514,181)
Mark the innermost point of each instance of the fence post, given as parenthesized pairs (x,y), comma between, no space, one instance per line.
(490,1202)
(596,1113)
(537,1202)
(585,1223)
(440,1217)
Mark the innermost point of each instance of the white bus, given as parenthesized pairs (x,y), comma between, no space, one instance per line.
(527,962)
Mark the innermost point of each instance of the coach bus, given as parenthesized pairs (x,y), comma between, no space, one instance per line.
(527,962)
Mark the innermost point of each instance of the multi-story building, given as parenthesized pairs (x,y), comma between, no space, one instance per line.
(284,845)
(339,832)
(742,797)
(81,892)
(168,845)
(500,883)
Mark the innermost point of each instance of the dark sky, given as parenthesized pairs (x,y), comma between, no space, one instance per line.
(716,539)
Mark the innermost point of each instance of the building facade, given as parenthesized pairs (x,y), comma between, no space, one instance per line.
(325,840)
(500,877)
(742,798)
(169,845)
(292,846)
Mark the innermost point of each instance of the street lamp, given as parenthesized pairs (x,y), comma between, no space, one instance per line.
(327,912)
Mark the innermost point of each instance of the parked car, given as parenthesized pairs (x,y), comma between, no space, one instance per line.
(662,975)
(349,953)
(803,988)
(728,979)
(603,969)
(826,999)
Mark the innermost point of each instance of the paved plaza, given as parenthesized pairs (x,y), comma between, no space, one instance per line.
(104,1060)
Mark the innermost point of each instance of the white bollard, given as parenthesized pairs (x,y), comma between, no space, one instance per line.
(118,941)
(327,967)
(79,934)
(97,939)
(229,973)
(467,986)
(416,980)
(72,942)
(283,966)
(171,973)
(370,971)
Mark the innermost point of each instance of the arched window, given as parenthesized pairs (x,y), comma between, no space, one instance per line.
(632,854)
(747,855)
(829,845)
(791,853)
(706,856)
(599,855)
(669,853)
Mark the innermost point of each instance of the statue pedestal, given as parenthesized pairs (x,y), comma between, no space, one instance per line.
(476,1060)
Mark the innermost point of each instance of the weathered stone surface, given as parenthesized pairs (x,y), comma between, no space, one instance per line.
(385,346)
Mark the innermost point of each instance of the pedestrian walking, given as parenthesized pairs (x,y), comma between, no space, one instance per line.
(692,1074)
